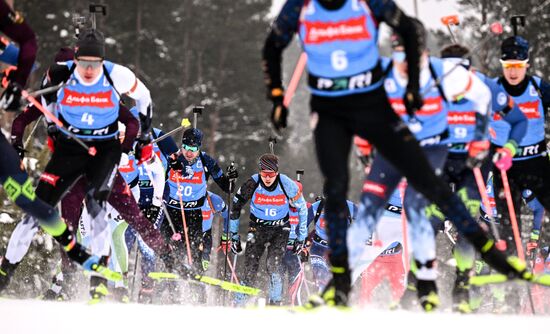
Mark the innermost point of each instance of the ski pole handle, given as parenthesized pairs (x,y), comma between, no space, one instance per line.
(184,125)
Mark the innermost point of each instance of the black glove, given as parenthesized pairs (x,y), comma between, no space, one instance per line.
(175,163)
(11,98)
(279,112)
(141,143)
(18,146)
(236,247)
(232,172)
(152,213)
(413,100)
(53,131)
(301,248)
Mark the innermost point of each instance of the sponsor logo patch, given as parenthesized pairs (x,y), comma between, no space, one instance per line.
(353,29)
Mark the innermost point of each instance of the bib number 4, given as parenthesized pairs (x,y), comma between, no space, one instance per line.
(87,118)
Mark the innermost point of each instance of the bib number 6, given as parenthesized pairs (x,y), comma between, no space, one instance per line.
(339,60)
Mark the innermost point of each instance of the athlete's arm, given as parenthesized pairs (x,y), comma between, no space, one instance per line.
(158,179)
(243,195)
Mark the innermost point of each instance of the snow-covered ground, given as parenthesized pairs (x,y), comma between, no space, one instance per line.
(40,317)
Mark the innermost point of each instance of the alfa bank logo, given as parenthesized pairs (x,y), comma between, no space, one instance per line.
(294,220)
(432,106)
(177,177)
(530,109)
(374,188)
(77,99)
(346,30)
(262,199)
(206,214)
(463,118)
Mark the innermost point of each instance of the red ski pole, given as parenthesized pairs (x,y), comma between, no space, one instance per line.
(512,213)
(186,233)
(91,150)
(501,244)
(293,84)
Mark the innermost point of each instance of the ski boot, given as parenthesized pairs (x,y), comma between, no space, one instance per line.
(145,295)
(121,294)
(98,290)
(427,295)
(6,272)
(461,292)
(510,266)
(335,293)
(78,254)
(55,292)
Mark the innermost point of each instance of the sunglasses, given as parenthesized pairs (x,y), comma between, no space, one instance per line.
(190,148)
(269,174)
(94,64)
(506,64)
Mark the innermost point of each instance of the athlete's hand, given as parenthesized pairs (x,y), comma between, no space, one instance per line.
(232,173)
(503,158)
(152,213)
(175,163)
(11,98)
(18,146)
(477,152)
(413,100)
(279,112)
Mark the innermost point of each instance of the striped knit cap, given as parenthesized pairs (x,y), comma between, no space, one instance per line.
(269,162)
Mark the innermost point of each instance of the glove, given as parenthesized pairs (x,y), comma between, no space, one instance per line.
(413,100)
(236,247)
(53,131)
(279,113)
(175,163)
(144,149)
(533,243)
(233,243)
(232,172)
(18,146)
(298,246)
(11,98)
(477,152)
(152,213)
(205,261)
(503,156)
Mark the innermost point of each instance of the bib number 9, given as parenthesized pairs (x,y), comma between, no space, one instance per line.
(461,133)
(339,60)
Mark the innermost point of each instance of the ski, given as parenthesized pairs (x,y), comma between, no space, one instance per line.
(160,276)
(541,279)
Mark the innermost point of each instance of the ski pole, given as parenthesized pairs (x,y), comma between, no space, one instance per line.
(501,244)
(448,21)
(496,29)
(512,214)
(184,125)
(91,150)
(135,269)
(272,141)
(295,79)
(175,236)
(189,259)
(226,227)
(404,227)
(29,137)
(197,110)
